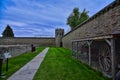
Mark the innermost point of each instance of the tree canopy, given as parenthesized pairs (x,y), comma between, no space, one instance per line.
(8,32)
(76,18)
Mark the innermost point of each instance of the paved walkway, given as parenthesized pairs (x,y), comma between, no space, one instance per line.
(28,71)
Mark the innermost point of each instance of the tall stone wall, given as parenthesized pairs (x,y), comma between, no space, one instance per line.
(28,41)
(105,22)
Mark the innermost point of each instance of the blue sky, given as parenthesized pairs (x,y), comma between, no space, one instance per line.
(40,18)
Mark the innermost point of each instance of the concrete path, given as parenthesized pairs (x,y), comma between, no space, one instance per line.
(28,71)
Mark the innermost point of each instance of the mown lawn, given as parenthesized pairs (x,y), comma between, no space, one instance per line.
(17,62)
(59,65)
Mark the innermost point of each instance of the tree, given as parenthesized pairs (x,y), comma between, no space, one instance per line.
(8,32)
(76,18)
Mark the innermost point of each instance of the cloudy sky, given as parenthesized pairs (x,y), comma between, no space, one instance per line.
(40,18)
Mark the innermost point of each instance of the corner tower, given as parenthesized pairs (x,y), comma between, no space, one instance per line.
(59,33)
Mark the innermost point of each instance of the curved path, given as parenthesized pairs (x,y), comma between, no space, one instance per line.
(28,71)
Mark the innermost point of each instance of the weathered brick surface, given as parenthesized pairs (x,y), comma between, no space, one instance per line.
(105,22)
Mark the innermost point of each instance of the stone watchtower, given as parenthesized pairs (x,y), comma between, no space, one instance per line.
(58,37)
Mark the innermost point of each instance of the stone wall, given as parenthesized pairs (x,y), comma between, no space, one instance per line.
(105,22)
(14,50)
(28,41)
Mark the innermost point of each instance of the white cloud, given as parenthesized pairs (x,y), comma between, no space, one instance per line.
(14,23)
(38,17)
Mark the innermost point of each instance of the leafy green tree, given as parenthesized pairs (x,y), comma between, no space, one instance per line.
(8,32)
(76,18)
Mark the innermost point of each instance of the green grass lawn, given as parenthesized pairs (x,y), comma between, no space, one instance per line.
(17,62)
(59,65)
